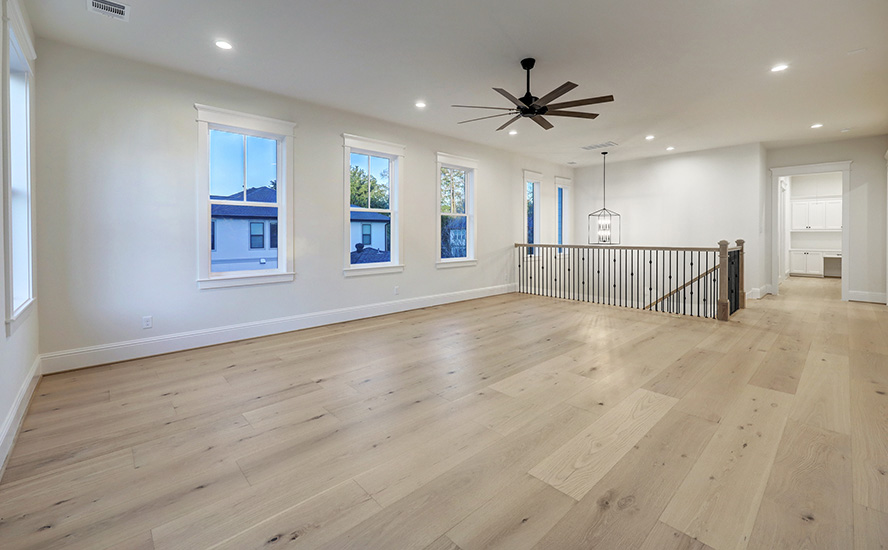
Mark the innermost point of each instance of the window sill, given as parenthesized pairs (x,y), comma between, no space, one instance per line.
(20,316)
(372,270)
(447,264)
(245,280)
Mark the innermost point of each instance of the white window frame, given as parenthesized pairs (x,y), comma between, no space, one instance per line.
(470,167)
(395,153)
(566,219)
(213,118)
(536,178)
(23,55)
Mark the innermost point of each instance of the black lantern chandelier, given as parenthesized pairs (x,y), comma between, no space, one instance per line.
(604,224)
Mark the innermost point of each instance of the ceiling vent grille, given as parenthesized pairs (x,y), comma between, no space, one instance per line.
(599,146)
(109,9)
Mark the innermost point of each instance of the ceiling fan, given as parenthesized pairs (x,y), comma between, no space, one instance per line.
(532,107)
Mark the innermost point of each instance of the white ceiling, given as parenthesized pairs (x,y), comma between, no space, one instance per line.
(695,73)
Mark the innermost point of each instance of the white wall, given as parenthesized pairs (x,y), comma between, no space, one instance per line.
(867,223)
(692,199)
(117,214)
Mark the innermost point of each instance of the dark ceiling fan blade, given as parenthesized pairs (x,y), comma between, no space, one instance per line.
(510,97)
(479,107)
(483,118)
(581,102)
(557,92)
(511,120)
(573,114)
(542,122)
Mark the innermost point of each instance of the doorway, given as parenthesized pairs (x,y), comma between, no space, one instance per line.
(810,222)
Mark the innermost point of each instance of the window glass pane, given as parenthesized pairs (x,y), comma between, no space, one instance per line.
(560,218)
(273,235)
(226,165)
(379,183)
(235,229)
(453,190)
(360,180)
(380,233)
(453,236)
(366,234)
(530,212)
(261,169)
(20,189)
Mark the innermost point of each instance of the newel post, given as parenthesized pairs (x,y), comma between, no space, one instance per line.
(724,306)
(741,299)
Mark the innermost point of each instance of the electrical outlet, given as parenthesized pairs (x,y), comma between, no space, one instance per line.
(397,290)
(147,321)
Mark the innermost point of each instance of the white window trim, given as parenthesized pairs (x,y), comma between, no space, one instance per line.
(566,218)
(20,27)
(395,153)
(471,168)
(243,123)
(536,178)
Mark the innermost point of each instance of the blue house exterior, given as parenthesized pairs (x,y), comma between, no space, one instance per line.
(370,236)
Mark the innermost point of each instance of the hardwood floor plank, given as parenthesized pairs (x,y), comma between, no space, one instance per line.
(807,502)
(581,463)
(309,524)
(869,442)
(870,529)
(823,398)
(620,510)
(677,379)
(513,519)
(663,537)
(729,479)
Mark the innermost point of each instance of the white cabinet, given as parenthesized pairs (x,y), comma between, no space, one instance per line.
(833,214)
(816,214)
(806,263)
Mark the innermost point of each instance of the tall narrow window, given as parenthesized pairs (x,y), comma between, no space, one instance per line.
(456,227)
(532,208)
(17,188)
(244,184)
(372,208)
(563,218)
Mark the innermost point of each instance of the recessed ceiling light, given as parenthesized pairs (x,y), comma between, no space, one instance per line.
(648,137)
(818,125)
(778,68)
(670,148)
(420,105)
(513,132)
(223,44)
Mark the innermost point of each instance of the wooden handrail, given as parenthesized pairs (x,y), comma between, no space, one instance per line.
(612,247)
(692,281)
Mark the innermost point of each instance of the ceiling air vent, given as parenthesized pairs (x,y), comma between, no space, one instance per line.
(109,9)
(599,146)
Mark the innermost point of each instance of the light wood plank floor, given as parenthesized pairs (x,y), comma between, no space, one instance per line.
(512,422)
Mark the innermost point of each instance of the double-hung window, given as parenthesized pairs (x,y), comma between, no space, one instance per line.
(372,232)
(456,210)
(244,192)
(17,79)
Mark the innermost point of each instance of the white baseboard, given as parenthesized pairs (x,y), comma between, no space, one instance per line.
(861,296)
(16,414)
(144,347)
(759,293)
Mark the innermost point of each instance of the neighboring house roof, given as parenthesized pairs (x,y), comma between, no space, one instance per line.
(254,194)
(362,216)
(370,256)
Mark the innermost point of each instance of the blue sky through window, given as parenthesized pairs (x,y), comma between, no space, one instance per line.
(230,152)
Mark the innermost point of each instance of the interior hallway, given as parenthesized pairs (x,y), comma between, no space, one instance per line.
(508,422)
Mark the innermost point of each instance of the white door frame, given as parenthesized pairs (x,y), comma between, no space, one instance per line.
(776,173)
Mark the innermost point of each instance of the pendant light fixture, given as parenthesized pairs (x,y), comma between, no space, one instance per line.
(604,224)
